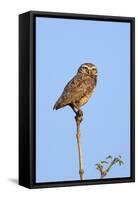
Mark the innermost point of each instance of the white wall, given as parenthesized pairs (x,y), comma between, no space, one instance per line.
(9,11)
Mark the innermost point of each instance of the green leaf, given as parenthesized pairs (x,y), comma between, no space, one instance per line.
(121,162)
(116,160)
(98,165)
(109,157)
(103,161)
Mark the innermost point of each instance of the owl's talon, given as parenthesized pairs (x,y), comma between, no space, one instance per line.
(80,113)
(79,116)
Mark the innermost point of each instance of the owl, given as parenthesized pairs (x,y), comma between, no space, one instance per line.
(79,89)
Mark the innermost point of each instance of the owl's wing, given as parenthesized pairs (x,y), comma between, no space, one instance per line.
(74,90)
(79,87)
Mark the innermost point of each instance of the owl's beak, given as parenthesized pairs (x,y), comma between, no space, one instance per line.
(95,73)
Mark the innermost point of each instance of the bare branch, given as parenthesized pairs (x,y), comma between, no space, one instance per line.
(79,119)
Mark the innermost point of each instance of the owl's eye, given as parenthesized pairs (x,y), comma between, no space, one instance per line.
(94,70)
(86,69)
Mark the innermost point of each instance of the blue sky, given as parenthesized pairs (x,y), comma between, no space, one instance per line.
(62,45)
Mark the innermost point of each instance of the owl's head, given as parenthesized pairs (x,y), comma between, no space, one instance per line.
(88,68)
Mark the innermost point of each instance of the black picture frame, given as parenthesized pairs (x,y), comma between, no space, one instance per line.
(27,98)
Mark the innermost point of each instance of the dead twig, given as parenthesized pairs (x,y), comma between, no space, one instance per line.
(79,119)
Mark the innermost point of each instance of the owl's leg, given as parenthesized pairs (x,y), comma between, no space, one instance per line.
(77,111)
(79,115)
(73,108)
(80,112)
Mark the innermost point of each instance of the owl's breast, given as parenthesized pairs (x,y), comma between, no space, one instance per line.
(85,98)
(88,89)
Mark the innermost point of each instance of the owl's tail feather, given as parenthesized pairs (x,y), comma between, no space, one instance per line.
(58,105)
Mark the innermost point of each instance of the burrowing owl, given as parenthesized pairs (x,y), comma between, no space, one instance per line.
(78,91)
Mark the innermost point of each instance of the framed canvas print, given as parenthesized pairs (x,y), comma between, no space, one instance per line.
(76,99)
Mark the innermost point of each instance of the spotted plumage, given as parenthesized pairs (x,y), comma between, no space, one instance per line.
(78,91)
